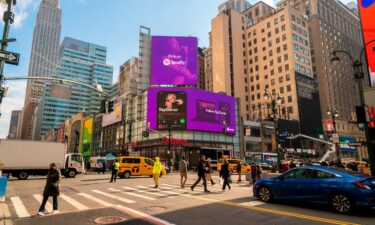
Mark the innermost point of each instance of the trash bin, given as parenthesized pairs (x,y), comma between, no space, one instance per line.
(247,175)
(3,186)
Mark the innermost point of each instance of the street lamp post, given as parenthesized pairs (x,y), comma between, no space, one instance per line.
(334,114)
(358,76)
(275,101)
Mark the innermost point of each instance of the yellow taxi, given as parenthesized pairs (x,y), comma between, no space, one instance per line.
(233,165)
(136,166)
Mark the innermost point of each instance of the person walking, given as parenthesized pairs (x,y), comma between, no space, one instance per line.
(183,168)
(201,174)
(104,167)
(52,188)
(253,170)
(209,171)
(224,174)
(115,168)
(238,168)
(156,171)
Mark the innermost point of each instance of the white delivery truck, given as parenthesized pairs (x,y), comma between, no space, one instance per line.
(22,158)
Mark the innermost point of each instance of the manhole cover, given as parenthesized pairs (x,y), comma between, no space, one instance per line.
(109,219)
(155,209)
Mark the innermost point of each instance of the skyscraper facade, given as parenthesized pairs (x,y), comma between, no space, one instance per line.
(43,59)
(333,26)
(78,61)
(14,124)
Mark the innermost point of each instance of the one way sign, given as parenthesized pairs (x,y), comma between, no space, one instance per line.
(10,57)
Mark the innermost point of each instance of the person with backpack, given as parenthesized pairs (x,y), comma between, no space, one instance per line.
(52,188)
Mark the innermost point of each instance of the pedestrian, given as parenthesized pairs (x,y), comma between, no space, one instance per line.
(170,164)
(104,167)
(183,168)
(209,171)
(115,168)
(253,170)
(52,188)
(225,174)
(156,171)
(292,164)
(99,167)
(238,168)
(338,163)
(259,173)
(201,174)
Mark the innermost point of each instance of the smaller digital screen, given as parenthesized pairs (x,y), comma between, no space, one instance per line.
(171,109)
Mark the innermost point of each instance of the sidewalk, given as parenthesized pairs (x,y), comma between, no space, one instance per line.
(5,218)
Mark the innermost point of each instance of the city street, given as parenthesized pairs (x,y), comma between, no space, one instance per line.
(88,197)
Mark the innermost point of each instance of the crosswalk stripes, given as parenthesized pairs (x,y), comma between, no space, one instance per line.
(113,196)
(149,193)
(252,203)
(73,202)
(168,192)
(19,207)
(97,200)
(39,198)
(133,194)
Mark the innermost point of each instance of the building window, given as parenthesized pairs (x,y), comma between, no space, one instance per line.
(285,57)
(272,72)
(282,17)
(288,88)
(280,69)
(262,31)
(285,47)
(276,30)
(293,18)
(269,43)
(277,40)
(269,34)
(270,53)
(290,109)
(284,37)
(286,67)
(271,62)
(281,90)
(281,79)
(278,50)
(272,81)
(276,21)
(268,25)
(287,77)
(289,98)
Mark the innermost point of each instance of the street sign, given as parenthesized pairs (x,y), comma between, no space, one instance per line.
(356,144)
(335,138)
(10,57)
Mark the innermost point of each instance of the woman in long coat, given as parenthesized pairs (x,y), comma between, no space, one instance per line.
(52,188)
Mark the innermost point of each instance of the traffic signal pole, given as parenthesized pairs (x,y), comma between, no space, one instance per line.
(8,19)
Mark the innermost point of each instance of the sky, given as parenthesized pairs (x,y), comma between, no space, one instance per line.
(111,23)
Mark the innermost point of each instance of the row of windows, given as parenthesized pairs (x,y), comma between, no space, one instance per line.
(300,49)
(299,39)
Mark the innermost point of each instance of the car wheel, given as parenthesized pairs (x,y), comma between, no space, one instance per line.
(341,203)
(23,175)
(265,194)
(72,173)
(127,175)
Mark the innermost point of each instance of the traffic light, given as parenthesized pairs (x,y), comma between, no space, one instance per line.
(110,106)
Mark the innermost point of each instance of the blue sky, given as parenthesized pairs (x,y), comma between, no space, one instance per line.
(111,23)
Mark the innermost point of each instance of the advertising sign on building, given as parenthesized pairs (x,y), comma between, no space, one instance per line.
(115,116)
(369,95)
(174,60)
(367,12)
(61,133)
(87,136)
(329,125)
(191,109)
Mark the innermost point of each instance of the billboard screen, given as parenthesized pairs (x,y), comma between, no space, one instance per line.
(367,12)
(174,60)
(190,109)
(87,136)
(115,116)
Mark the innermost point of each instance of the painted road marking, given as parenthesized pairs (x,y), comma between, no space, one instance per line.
(168,192)
(19,207)
(101,202)
(252,203)
(143,216)
(132,194)
(39,198)
(148,192)
(113,196)
(73,202)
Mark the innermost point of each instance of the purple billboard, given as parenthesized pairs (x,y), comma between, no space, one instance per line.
(174,60)
(190,109)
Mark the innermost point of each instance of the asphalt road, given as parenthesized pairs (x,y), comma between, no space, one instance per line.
(90,197)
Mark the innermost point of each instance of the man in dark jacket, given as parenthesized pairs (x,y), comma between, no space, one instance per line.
(201,174)
(52,188)
(225,174)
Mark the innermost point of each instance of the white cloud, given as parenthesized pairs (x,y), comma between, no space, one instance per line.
(14,101)
(20,11)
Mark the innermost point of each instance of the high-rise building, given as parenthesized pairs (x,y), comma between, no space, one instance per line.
(264,48)
(128,76)
(15,119)
(78,61)
(207,53)
(333,26)
(201,71)
(43,59)
(238,5)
